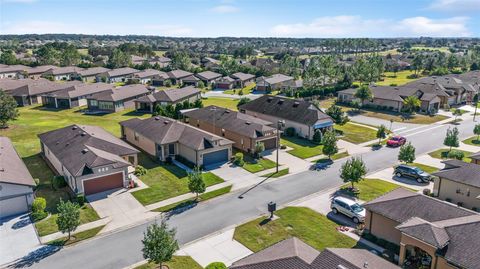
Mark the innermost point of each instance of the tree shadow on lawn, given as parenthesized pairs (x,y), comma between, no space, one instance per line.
(135,113)
(181,208)
(35,256)
(403,116)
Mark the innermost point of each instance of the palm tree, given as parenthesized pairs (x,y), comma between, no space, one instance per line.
(411,103)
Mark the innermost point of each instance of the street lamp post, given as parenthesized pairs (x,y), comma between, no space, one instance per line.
(280,124)
(391,122)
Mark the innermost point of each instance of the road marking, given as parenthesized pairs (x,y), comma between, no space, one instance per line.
(399,129)
(413,129)
(423,131)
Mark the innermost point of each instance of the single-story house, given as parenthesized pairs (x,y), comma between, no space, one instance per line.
(459,183)
(176,76)
(37,71)
(74,96)
(245,130)
(12,71)
(89,158)
(165,138)
(441,234)
(167,97)
(303,116)
(242,79)
(116,99)
(62,73)
(90,74)
(16,183)
(190,81)
(275,82)
(116,75)
(137,60)
(475,158)
(159,79)
(29,91)
(293,253)
(161,61)
(210,63)
(208,77)
(225,83)
(144,76)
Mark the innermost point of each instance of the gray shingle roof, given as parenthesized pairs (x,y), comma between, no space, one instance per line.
(333,258)
(242,76)
(147,73)
(461,172)
(63,70)
(170,95)
(81,90)
(178,74)
(208,75)
(121,93)
(39,69)
(299,111)
(121,72)
(13,68)
(68,144)
(425,231)
(163,130)
(12,168)
(93,71)
(40,86)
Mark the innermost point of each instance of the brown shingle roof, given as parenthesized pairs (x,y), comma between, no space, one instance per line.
(63,70)
(242,76)
(121,72)
(425,231)
(338,258)
(208,75)
(461,172)
(121,93)
(93,71)
(171,95)
(81,90)
(177,74)
(12,168)
(146,73)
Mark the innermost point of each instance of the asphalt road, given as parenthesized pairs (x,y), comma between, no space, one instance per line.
(124,248)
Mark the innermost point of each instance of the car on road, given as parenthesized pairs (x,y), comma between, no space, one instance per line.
(349,208)
(396,141)
(412,172)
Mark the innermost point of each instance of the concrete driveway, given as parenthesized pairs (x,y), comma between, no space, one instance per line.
(17,238)
(120,207)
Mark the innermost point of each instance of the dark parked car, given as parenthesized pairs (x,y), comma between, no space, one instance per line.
(412,172)
(396,141)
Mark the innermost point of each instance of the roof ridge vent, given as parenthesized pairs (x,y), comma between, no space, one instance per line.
(75,127)
(83,134)
(157,118)
(166,122)
(85,150)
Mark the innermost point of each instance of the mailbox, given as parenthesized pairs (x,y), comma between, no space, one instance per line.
(271,208)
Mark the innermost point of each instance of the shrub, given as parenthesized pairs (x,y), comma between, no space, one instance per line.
(216,265)
(426,192)
(37,181)
(38,216)
(140,171)
(239,159)
(290,131)
(456,154)
(184,161)
(283,146)
(39,204)
(167,83)
(201,85)
(81,199)
(59,182)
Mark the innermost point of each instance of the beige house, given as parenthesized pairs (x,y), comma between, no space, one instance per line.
(429,232)
(459,183)
(167,139)
(149,102)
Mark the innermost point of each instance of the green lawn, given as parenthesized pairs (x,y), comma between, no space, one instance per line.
(370,189)
(441,49)
(177,262)
(245,90)
(165,181)
(355,133)
(276,175)
(443,153)
(202,197)
(223,102)
(258,165)
(425,168)
(399,79)
(301,148)
(395,116)
(49,225)
(334,157)
(77,237)
(311,227)
(472,141)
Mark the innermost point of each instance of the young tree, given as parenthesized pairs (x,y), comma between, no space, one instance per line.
(317,137)
(476,130)
(411,103)
(457,112)
(243,101)
(451,139)
(407,153)
(68,217)
(159,243)
(353,170)
(329,142)
(364,93)
(259,148)
(381,133)
(336,113)
(196,184)
(8,109)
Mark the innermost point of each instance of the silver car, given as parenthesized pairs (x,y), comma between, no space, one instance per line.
(349,208)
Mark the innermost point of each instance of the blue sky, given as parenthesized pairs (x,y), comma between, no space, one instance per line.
(256,18)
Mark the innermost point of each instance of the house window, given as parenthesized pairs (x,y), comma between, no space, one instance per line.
(93,102)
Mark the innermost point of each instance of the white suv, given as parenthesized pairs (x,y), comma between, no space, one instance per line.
(349,208)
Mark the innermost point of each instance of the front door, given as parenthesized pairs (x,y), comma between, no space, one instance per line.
(171,149)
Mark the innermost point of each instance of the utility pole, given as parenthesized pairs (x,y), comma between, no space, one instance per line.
(475,103)
(280,124)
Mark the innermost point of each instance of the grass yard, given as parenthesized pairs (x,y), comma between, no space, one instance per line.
(472,141)
(177,262)
(301,148)
(49,225)
(219,101)
(396,117)
(188,202)
(77,237)
(334,157)
(441,49)
(399,79)
(311,227)
(369,189)
(280,173)
(326,103)
(355,133)
(245,90)
(159,52)
(443,154)
(255,166)
(425,168)
(165,181)
(83,51)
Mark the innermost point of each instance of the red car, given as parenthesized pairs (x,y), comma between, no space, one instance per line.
(396,141)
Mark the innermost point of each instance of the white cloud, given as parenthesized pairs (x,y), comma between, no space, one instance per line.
(225,9)
(356,26)
(456,5)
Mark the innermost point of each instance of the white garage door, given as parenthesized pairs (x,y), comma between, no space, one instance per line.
(13,206)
